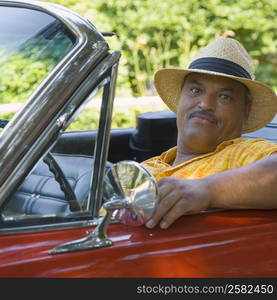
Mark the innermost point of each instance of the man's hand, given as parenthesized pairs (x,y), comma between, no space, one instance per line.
(178,197)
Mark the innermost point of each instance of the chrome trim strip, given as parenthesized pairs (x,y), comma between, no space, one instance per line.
(102,143)
(47,227)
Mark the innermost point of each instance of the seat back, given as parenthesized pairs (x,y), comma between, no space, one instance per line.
(40,193)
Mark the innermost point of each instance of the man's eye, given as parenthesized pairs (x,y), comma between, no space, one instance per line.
(225,98)
(195,90)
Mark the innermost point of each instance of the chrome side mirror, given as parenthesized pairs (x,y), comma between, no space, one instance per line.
(134,189)
(131,198)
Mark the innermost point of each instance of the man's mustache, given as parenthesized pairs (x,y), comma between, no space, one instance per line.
(206,114)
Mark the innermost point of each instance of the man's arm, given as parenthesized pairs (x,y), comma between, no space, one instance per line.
(248,187)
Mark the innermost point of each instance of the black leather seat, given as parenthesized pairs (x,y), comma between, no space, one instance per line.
(40,193)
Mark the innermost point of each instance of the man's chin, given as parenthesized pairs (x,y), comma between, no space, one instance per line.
(200,142)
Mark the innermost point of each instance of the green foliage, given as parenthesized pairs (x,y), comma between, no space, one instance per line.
(153,34)
(19,78)
(23,70)
(89,118)
(6,116)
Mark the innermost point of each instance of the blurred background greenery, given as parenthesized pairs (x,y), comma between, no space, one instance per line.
(153,34)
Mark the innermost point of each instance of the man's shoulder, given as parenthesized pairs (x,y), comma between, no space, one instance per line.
(256,142)
(252,149)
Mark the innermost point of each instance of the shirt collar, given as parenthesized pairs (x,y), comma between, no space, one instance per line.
(168,156)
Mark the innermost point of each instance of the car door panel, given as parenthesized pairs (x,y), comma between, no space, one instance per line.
(215,244)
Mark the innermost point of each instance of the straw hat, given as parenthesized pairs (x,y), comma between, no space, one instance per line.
(222,57)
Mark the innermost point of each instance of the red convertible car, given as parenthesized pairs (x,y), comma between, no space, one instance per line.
(73,203)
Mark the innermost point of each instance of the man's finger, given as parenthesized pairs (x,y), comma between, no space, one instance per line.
(163,190)
(179,209)
(163,207)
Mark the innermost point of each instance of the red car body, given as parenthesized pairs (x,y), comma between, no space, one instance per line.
(215,244)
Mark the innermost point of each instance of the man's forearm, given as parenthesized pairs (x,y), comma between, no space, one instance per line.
(251,186)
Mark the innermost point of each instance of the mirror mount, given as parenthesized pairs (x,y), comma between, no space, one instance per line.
(100,232)
(131,193)
(98,238)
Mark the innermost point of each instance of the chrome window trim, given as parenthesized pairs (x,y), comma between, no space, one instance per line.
(52,95)
(54,226)
(103,139)
(70,224)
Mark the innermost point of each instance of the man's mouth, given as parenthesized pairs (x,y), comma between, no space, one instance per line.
(204,117)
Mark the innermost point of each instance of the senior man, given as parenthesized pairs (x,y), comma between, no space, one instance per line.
(216,100)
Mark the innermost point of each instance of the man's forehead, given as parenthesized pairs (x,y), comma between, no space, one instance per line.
(206,79)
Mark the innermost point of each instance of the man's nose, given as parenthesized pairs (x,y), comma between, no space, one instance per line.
(207,102)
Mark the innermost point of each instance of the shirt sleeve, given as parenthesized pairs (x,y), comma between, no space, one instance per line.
(258,149)
(153,165)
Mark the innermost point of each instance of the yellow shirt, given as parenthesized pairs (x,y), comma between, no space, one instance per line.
(227,155)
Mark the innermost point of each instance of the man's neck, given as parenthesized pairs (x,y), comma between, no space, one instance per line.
(182,157)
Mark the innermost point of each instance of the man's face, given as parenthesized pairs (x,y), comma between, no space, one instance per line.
(212,109)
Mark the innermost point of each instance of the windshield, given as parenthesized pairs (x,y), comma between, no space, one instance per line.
(31,44)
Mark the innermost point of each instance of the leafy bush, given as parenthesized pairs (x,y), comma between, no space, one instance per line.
(19,77)
(22,70)
(89,119)
(6,116)
(153,34)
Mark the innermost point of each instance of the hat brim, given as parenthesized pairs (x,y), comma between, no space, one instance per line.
(168,83)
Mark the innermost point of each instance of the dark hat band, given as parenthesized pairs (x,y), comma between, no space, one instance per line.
(219,65)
